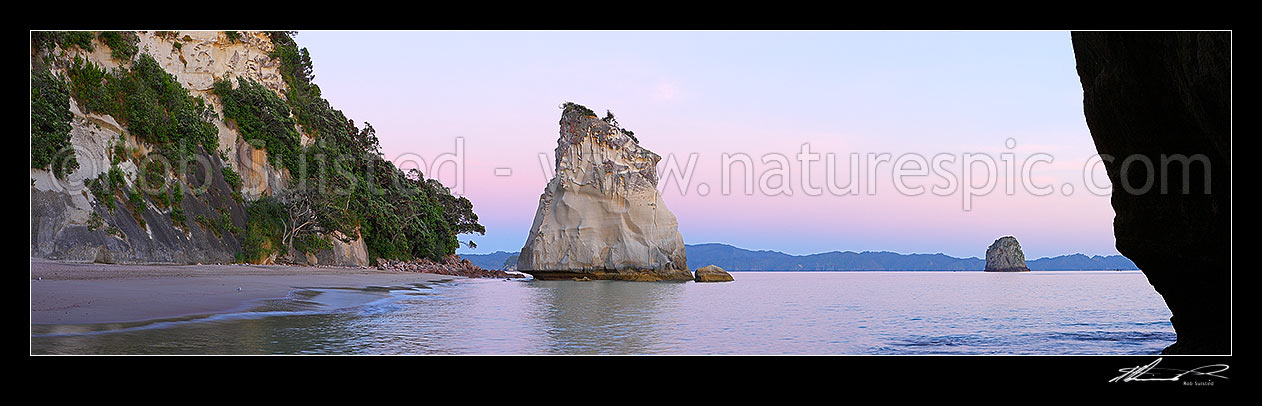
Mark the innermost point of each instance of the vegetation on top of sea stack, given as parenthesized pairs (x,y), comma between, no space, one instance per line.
(581,109)
(609,118)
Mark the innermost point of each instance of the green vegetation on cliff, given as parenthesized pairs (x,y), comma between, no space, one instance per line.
(122,44)
(50,125)
(262,118)
(338,186)
(262,229)
(41,40)
(233,179)
(150,102)
(153,181)
(106,185)
(343,184)
(89,84)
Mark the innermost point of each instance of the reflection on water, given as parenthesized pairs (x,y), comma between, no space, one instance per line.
(759,313)
(308,321)
(604,317)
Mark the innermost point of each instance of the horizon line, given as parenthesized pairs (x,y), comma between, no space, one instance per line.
(840,252)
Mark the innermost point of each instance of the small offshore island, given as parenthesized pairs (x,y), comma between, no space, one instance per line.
(1004,255)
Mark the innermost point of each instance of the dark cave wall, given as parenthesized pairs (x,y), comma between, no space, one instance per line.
(1159,104)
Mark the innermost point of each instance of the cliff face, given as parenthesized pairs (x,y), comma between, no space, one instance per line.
(1151,99)
(601,216)
(1004,255)
(69,223)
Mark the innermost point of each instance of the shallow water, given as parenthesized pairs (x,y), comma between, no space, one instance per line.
(759,313)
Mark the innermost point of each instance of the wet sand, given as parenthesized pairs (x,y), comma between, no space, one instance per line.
(84,293)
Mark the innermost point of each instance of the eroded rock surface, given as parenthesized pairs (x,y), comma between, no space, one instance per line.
(601,217)
(1004,255)
(712,273)
(69,223)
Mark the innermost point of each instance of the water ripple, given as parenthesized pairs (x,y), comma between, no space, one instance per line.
(764,313)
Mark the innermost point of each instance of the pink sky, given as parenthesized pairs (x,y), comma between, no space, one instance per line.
(704,94)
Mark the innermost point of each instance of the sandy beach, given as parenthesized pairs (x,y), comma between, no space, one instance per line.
(85,293)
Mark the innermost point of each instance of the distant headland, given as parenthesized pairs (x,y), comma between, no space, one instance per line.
(739,259)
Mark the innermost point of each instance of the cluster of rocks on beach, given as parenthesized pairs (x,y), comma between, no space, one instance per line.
(451,265)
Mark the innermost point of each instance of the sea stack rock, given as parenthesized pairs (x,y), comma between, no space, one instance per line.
(601,217)
(1004,255)
(712,273)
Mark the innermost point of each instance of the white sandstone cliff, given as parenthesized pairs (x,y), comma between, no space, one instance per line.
(201,58)
(600,216)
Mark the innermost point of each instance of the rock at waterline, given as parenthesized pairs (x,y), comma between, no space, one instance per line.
(711,273)
(1005,255)
(601,217)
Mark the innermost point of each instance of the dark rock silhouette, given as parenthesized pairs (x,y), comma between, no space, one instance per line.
(1158,105)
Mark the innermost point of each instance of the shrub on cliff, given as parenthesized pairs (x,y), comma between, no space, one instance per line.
(275,224)
(89,84)
(233,179)
(399,216)
(262,118)
(178,218)
(105,185)
(41,40)
(262,229)
(50,125)
(122,43)
(162,112)
(153,181)
(150,102)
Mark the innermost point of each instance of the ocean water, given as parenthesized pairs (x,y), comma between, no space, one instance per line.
(812,313)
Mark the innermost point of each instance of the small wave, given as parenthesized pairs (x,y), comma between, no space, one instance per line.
(1032,343)
(110,328)
(1117,324)
(1116,336)
(302,302)
(958,340)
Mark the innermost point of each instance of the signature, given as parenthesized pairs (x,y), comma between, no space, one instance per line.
(1150,372)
